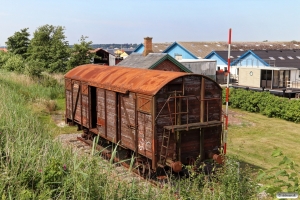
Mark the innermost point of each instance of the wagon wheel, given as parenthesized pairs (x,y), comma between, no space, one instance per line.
(84,134)
(149,170)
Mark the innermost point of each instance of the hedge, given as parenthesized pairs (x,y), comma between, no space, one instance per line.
(264,103)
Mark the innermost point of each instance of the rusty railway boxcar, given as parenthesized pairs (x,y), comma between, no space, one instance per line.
(166,118)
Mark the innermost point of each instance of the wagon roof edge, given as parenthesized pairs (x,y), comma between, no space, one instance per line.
(124,79)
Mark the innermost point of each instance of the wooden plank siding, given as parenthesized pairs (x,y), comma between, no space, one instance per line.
(127,117)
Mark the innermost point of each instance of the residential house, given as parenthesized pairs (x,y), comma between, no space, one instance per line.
(269,68)
(150,60)
(103,57)
(126,53)
(156,47)
(199,50)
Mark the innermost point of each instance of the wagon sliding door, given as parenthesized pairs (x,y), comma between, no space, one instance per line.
(144,107)
(127,121)
(79,103)
(107,114)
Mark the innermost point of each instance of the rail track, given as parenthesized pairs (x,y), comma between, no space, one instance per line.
(122,169)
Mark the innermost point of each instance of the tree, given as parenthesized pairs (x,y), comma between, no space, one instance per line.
(81,53)
(19,42)
(50,48)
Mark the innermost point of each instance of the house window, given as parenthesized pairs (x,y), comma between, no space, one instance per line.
(178,56)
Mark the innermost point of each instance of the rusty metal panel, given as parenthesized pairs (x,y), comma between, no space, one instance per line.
(144,103)
(145,134)
(127,115)
(123,79)
(111,115)
(68,84)
(101,112)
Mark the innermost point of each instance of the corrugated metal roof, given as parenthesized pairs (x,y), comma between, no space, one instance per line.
(137,60)
(280,58)
(202,49)
(124,79)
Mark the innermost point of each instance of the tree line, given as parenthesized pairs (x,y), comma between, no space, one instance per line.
(48,50)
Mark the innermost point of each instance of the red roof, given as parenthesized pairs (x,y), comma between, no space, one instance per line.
(3,49)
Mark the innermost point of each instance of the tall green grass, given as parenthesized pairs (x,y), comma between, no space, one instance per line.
(34,166)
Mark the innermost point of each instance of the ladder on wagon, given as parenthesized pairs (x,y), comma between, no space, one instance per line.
(174,115)
(164,147)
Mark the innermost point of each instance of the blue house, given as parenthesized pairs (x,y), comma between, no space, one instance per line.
(179,52)
(222,57)
(156,47)
(184,50)
(277,68)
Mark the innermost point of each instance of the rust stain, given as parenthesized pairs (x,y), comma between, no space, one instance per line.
(124,79)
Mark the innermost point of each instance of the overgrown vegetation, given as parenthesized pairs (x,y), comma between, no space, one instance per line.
(33,166)
(264,103)
(284,176)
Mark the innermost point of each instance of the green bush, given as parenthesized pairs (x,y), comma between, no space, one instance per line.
(284,177)
(14,63)
(4,56)
(264,103)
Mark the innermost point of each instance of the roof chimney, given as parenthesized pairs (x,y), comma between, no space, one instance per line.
(147,46)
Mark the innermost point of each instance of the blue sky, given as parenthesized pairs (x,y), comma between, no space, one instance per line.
(129,21)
